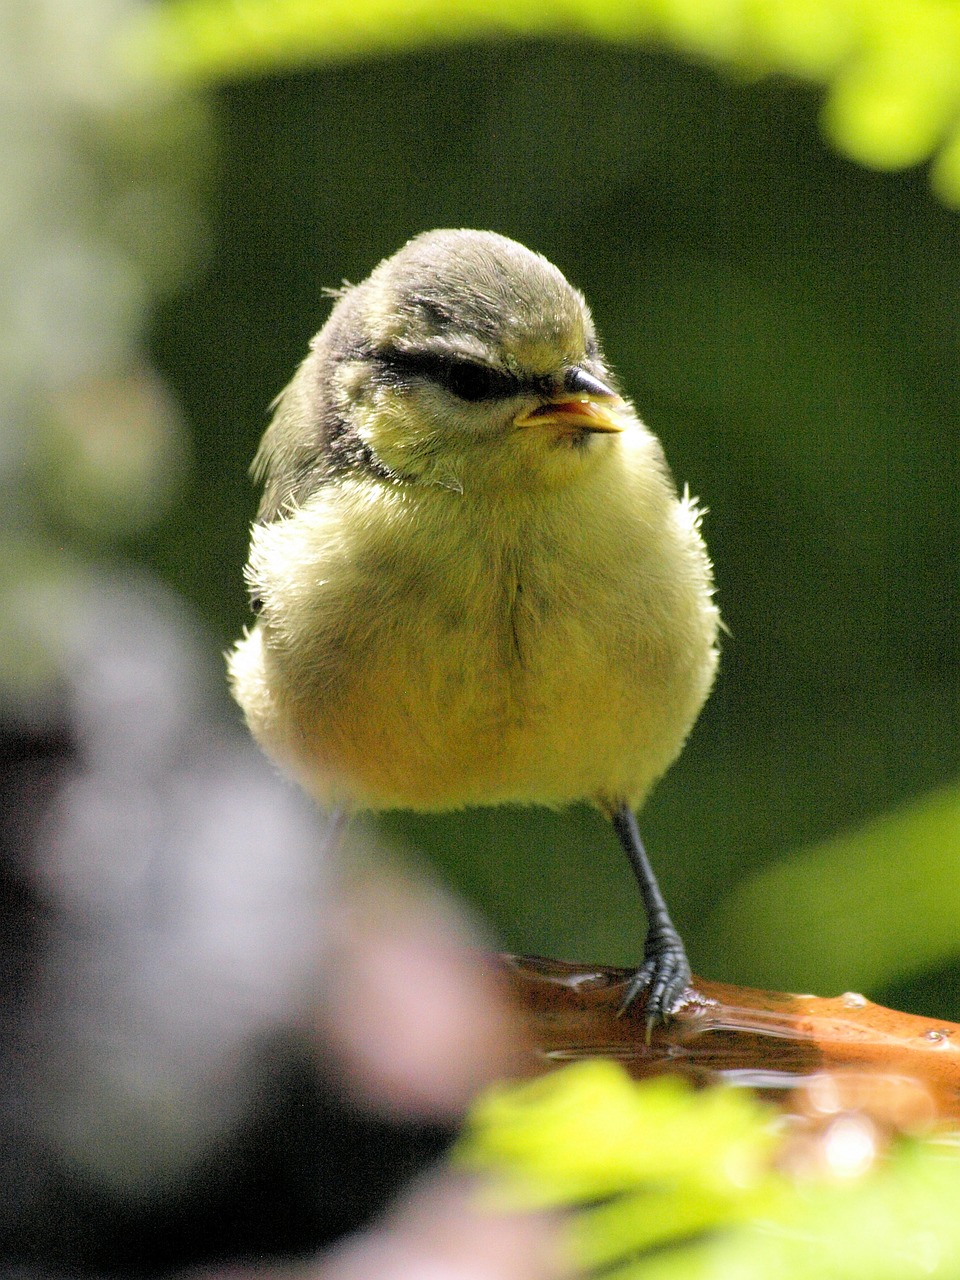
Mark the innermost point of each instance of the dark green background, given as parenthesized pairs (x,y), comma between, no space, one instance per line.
(785,321)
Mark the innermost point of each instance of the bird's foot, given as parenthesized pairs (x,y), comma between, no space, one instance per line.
(662,978)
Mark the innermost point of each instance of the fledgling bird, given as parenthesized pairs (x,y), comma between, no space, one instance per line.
(475,580)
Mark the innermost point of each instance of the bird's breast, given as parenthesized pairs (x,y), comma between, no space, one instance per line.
(446,654)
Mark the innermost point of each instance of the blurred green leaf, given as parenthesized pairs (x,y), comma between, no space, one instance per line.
(668,1182)
(893,69)
(892,104)
(854,911)
(589,1132)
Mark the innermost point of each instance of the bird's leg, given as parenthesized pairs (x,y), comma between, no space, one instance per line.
(665,971)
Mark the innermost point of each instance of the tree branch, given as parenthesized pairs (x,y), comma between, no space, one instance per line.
(902,1069)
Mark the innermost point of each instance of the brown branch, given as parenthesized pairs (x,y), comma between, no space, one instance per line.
(902,1069)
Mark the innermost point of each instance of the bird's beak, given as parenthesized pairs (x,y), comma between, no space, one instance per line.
(584,404)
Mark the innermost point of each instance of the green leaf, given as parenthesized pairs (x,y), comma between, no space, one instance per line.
(893,104)
(892,69)
(589,1132)
(668,1183)
(862,909)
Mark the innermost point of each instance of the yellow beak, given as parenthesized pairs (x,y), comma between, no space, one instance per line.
(573,415)
(585,404)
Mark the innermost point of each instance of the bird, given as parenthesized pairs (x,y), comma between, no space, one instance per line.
(474,579)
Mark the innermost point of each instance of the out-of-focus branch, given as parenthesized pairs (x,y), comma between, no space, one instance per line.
(902,1069)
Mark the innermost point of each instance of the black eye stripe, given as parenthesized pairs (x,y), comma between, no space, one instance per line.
(466,379)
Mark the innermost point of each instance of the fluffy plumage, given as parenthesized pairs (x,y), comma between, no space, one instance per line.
(476,581)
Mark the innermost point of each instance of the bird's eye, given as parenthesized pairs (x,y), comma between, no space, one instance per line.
(473,382)
(466,379)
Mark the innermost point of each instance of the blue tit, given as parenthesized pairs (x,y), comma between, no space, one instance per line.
(475,580)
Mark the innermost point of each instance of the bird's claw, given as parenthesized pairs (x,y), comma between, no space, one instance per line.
(663,978)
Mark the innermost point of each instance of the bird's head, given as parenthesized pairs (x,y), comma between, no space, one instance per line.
(466,354)
(464,361)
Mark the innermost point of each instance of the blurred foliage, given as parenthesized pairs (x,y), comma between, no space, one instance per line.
(901,868)
(892,66)
(670,1183)
(788,323)
(102,180)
